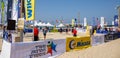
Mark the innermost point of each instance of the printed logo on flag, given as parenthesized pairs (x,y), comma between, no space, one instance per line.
(29,9)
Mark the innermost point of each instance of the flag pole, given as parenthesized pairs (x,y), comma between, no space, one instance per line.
(21,31)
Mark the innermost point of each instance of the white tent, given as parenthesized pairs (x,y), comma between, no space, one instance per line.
(48,24)
(40,24)
(61,25)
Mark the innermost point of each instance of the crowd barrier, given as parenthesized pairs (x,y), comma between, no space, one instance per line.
(111,36)
(52,48)
(77,43)
(39,49)
(97,39)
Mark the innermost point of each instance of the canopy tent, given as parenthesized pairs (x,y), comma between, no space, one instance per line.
(61,25)
(48,24)
(43,24)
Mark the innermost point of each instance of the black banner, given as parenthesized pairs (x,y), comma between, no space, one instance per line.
(9,9)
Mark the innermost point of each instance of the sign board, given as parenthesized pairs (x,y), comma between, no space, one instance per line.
(56,47)
(38,49)
(97,39)
(77,43)
(21,23)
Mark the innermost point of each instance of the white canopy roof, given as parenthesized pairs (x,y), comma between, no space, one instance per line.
(61,25)
(43,24)
(48,24)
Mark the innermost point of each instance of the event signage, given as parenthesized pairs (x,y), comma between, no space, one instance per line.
(77,43)
(97,39)
(29,9)
(37,49)
(21,23)
(55,47)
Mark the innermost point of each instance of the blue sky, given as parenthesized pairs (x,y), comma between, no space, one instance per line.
(50,10)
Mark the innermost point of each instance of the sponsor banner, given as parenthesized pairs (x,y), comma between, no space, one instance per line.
(116,20)
(73,22)
(77,43)
(6,50)
(15,10)
(97,39)
(0,17)
(21,23)
(29,9)
(19,6)
(39,49)
(28,50)
(2,9)
(9,9)
(55,47)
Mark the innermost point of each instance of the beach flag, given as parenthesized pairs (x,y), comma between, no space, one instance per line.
(9,9)
(73,22)
(19,6)
(2,6)
(5,20)
(29,9)
(15,10)
(98,23)
(57,21)
(116,20)
(0,16)
(61,21)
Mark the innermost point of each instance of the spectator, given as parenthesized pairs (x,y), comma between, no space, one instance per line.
(60,30)
(10,38)
(74,32)
(45,32)
(5,33)
(36,34)
(66,30)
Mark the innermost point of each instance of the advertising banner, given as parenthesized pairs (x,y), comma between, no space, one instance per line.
(56,47)
(21,23)
(29,9)
(38,49)
(9,9)
(98,39)
(28,50)
(116,20)
(15,10)
(77,43)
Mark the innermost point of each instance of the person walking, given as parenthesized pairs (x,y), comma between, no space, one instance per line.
(36,34)
(45,32)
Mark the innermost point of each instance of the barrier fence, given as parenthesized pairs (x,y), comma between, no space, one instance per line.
(77,43)
(40,49)
(52,48)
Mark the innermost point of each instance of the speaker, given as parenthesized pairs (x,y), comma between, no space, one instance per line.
(11,25)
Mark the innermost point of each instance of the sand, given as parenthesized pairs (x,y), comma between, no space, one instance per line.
(106,50)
